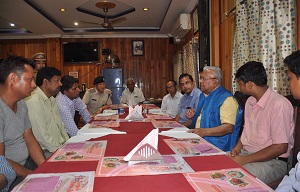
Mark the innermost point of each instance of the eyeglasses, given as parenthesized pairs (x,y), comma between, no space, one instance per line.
(206,79)
(170,87)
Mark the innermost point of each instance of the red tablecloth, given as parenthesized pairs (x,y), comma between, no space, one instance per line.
(121,145)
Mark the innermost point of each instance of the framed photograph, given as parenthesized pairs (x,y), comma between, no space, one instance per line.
(137,47)
(74,74)
(195,20)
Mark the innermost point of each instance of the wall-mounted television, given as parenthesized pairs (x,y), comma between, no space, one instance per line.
(81,52)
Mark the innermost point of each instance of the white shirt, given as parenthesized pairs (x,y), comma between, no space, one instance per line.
(170,104)
(134,98)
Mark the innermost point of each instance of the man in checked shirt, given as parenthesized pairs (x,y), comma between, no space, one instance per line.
(68,101)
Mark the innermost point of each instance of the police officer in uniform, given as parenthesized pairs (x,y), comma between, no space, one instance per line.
(98,98)
(40,61)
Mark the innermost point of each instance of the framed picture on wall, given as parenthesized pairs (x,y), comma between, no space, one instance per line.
(74,74)
(137,47)
(195,20)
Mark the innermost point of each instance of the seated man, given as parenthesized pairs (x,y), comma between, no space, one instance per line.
(170,101)
(189,100)
(17,141)
(267,137)
(291,182)
(132,95)
(7,174)
(223,127)
(97,99)
(68,101)
(46,122)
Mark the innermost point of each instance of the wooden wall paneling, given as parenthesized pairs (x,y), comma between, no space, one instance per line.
(215,32)
(150,71)
(226,42)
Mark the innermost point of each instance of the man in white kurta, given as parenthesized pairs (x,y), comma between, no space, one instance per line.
(132,95)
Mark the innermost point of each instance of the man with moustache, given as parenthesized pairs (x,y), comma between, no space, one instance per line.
(68,101)
(223,127)
(170,101)
(44,116)
(189,100)
(17,141)
(132,95)
(267,138)
(291,182)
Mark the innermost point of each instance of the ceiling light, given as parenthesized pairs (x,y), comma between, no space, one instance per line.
(75,23)
(12,24)
(62,9)
(146,9)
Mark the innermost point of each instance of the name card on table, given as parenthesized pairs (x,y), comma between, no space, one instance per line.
(135,113)
(146,150)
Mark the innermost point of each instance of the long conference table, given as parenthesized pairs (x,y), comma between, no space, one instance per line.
(121,145)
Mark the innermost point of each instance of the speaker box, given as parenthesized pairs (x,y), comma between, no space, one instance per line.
(106,51)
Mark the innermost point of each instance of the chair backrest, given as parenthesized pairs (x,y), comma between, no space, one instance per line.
(296,149)
(242,100)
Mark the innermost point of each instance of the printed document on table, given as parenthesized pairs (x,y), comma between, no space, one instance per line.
(116,166)
(58,182)
(166,124)
(193,147)
(233,180)
(81,151)
(158,116)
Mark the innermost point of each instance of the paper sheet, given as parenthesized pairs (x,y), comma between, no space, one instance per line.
(233,180)
(158,116)
(81,138)
(58,182)
(81,151)
(166,124)
(87,130)
(193,147)
(116,166)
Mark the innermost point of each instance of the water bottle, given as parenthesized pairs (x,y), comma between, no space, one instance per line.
(120,108)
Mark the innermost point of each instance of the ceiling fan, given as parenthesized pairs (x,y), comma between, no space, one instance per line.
(106,5)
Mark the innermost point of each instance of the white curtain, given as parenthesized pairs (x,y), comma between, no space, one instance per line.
(265,32)
(186,61)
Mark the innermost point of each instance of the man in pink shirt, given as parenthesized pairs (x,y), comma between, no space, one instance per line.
(267,136)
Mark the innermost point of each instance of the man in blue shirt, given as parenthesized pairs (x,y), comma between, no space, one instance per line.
(68,101)
(189,100)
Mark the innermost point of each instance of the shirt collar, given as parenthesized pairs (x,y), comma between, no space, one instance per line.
(68,100)
(263,100)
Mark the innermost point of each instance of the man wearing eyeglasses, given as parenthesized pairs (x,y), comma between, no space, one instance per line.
(189,100)
(170,101)
(218,115)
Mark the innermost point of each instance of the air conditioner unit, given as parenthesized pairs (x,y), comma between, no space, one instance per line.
(182,26)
